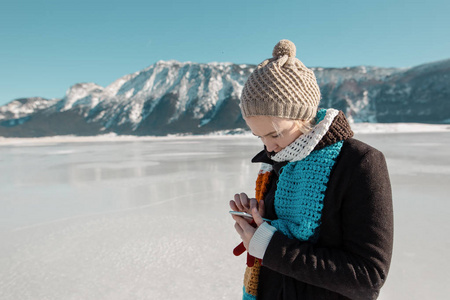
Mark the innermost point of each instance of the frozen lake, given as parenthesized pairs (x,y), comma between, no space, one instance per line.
(147,218)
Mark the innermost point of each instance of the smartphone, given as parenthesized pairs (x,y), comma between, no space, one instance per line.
(245,215)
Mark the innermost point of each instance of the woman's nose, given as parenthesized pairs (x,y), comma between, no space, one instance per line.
(270,146)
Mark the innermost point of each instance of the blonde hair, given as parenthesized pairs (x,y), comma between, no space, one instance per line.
(303,125)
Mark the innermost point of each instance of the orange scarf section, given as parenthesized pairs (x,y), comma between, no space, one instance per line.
(262,183)
(252,273)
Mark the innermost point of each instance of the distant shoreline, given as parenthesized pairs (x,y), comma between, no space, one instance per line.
(358,128)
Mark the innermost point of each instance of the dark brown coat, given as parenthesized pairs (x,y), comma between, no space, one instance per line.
(352,256)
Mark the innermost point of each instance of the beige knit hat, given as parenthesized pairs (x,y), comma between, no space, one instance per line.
(282,87)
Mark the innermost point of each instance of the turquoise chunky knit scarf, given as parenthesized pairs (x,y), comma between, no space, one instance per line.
(301,190)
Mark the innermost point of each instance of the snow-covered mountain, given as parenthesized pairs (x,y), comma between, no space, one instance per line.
(173,97)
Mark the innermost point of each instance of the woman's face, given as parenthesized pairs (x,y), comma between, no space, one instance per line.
(275,133)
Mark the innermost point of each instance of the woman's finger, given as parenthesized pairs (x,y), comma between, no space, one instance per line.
(233,206)
(237,200)
(242,223)
(238,229)
(257,217)
(244,200)
(261,208)
(253,204)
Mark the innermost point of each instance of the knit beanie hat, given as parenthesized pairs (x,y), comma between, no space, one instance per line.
(282,87)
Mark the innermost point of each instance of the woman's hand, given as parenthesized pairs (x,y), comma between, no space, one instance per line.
(242,226)
(243,203)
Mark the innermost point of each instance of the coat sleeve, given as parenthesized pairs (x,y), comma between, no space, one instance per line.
(358,268)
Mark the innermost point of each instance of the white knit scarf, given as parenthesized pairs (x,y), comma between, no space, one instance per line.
(305,144)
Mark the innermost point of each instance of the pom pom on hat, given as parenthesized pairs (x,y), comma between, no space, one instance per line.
(284,47)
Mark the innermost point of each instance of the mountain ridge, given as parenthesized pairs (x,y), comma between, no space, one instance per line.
(171,97)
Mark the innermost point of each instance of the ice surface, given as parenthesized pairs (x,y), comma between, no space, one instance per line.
(147,218)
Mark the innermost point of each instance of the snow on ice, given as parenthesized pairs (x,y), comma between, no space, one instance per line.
(147,218)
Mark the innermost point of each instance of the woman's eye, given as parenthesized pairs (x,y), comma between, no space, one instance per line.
(275,136)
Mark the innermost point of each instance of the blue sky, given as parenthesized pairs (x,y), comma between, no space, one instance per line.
(47,46)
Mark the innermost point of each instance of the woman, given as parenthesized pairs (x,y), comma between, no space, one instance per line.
(328,195)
